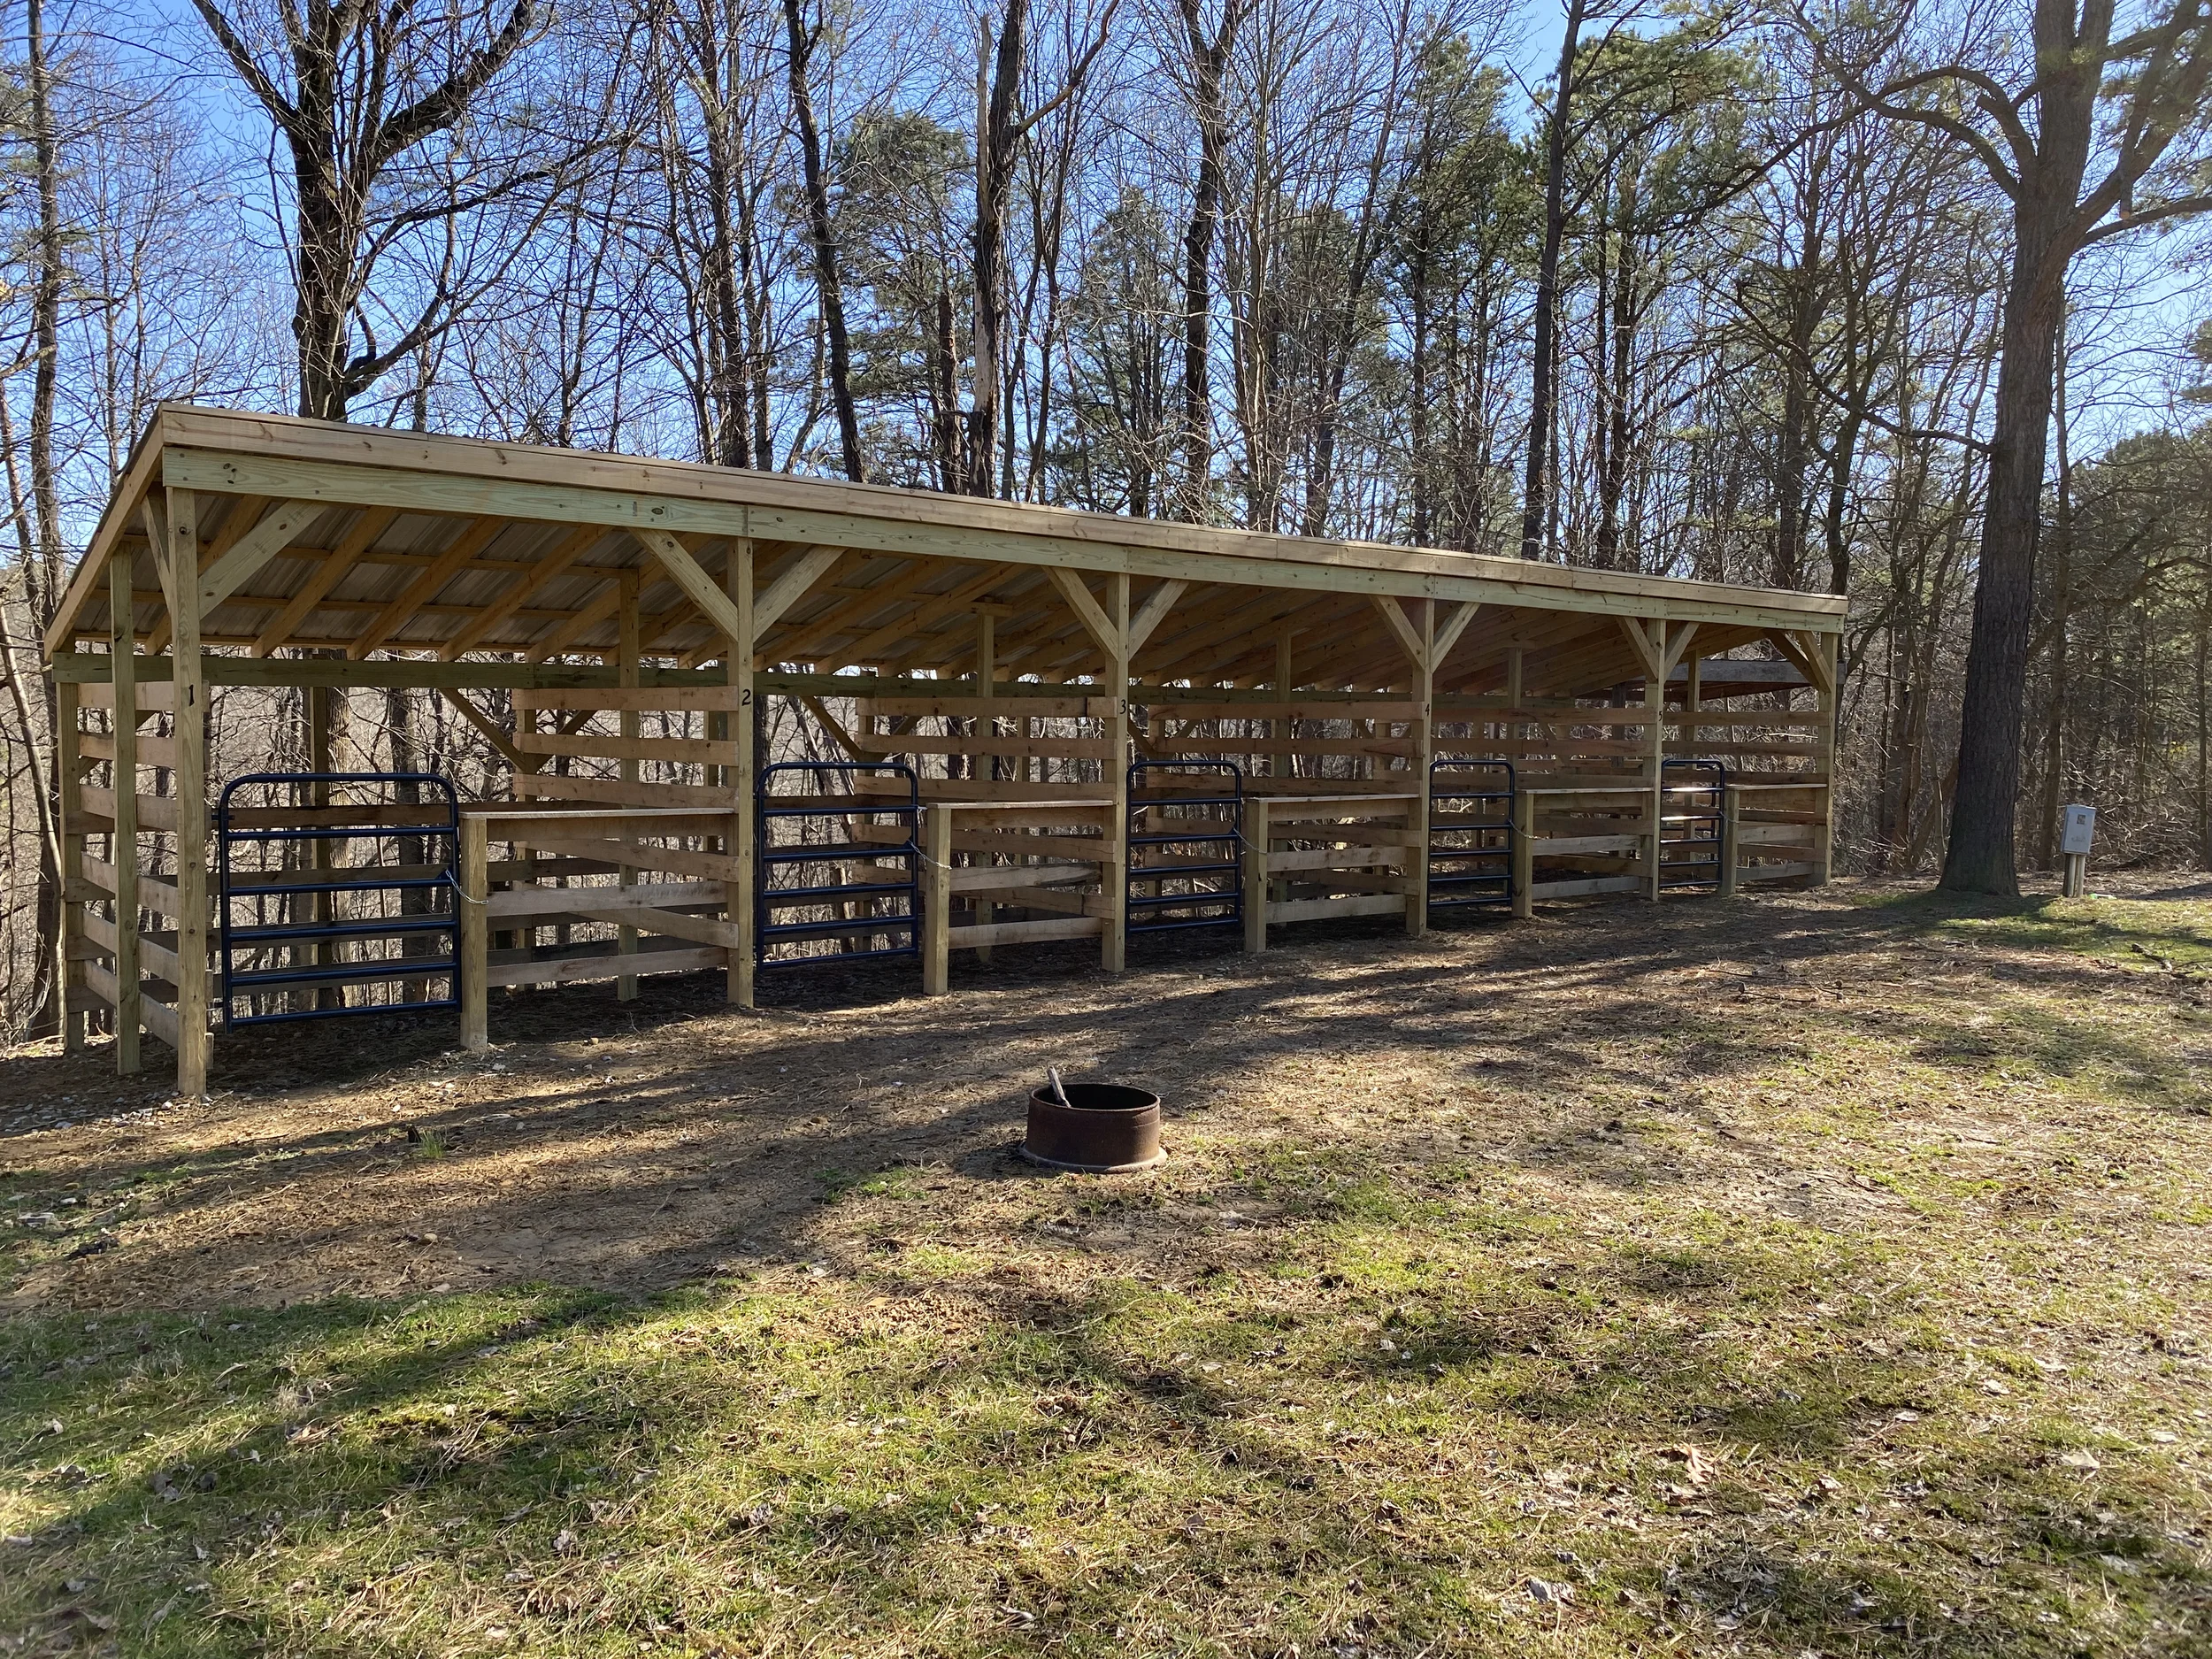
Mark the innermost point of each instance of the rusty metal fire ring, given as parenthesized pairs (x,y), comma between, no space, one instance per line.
(1105,1129)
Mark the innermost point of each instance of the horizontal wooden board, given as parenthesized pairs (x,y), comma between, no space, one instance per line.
(155,812)
(614,792)
(637,856)
(156,696)
(1699,747)
(1324,909)
(986,934)
(700,930)
(100,983)
(150,750)
(637,699)
(1008,708)
(1390,747)
(160,1020)
(981,877)
(1563,846)
(1018,748)
(520,902)
(1335,858)
(1299,708)
(960,791)
(1013,844)
(696,751)
(573,969)
(1078,813)
(1584,887)
(1040,899)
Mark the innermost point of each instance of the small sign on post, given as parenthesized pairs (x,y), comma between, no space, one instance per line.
(2076,826)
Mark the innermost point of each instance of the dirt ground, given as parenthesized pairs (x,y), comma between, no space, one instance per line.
(633,1146)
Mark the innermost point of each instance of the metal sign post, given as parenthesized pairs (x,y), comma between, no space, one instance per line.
(2076,826)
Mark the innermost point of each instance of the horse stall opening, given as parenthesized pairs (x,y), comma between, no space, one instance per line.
(740,722)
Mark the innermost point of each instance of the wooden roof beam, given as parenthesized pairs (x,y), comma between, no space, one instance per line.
(471,540)
(806,637)
(279,629)
(554,563)
(250,550)
(870,648)
(245,509)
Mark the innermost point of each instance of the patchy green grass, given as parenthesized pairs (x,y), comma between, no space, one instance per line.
(1718,1310)
(2158,936)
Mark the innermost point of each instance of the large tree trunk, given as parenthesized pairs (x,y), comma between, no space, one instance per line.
(1417,371)
(997,136)
(821,234)
(1208,58)
(1981,856)
(1542,391)
(44,572)
(2046,830)
(328,235)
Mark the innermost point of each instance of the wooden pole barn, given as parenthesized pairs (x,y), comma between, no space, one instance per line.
(992,677)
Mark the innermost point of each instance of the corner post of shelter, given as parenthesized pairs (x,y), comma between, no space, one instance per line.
(177,553)
(1827,656)
(985,676)
(1114,945)
(1648,640)
(936,899)
(476,890)
(1524,853)
(1731,837)
(626,670)
(71,992)
(1417,864)
(738,892)
(123,782)
(324,704)
(1255,859)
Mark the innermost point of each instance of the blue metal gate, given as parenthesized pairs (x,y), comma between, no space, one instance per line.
(1471,833)
(328,951)
(1190,849)
(1689,827)
(804,875)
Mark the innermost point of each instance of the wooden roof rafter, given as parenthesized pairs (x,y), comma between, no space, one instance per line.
(886,573)
(530,583)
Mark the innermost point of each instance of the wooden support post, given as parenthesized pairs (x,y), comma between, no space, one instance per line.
(2076,875)
(737,897)
(1524,854)
(69,975)
(1731,816)
(1830,657)
(626,665)
(123,847)
(1654,756)
(323,705)
(1114,948)
(178,554)
(936,899)
(1109,631)
(476,891)
(1254,873)
(986,675)
(1281,766)
(1514,692)
(1417,864)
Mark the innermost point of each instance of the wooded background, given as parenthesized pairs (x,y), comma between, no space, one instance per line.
(1720,294)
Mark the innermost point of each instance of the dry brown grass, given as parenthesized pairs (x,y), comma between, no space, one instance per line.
(1823,1272)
